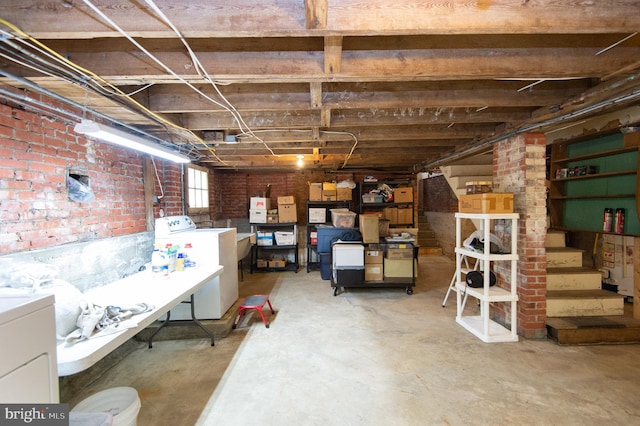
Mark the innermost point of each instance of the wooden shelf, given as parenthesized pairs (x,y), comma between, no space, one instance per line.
(579,197)
(595,155)
(596,176)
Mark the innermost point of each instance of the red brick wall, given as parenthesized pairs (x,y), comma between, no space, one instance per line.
(438,196)
(235,189)
(35,212)
(519,167)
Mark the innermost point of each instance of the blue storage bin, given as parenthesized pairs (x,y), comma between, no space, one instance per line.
(329,234)
(325,266)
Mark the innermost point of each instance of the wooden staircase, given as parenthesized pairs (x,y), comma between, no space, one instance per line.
(427,239)
(579,311)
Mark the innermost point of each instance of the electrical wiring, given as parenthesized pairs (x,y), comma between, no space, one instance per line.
(352,148)
(155,169)
(91,75)
(156,60)
(202,72)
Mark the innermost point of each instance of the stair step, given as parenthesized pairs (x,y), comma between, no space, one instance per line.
(555,239)
(429,251)
(468,169)
(584,303)
(460,182)
(573,279)
(564,257)
(593,330)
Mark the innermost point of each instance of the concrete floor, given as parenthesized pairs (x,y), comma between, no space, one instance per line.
(374,357)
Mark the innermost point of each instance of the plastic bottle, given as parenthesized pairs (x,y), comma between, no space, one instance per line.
(180,261)
(172,253)
(619,221)
(608,220)
(159,263)
(189,259)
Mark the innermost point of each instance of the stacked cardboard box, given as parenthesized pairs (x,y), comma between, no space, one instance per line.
(370,228)
(400,262)
(258,209)
(373,264)
(287,209)
(329,191)
(403,195)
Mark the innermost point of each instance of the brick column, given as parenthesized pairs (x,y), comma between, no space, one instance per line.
(519,167)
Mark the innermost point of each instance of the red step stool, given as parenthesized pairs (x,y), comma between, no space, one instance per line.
(256,302)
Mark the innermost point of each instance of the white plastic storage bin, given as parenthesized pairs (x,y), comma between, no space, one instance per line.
(284,238)
(348,256)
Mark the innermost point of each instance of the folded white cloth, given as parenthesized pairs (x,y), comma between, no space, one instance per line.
(96,321)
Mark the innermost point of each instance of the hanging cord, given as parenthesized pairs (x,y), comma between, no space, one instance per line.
(202,72)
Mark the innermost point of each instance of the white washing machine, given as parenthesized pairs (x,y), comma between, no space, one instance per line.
(209,246)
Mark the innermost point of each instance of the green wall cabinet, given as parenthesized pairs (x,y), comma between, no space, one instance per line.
(588,176)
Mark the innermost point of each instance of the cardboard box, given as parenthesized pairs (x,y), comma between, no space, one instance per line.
(277,263)
(265,238)
(373,272)
(329,187)
(317,215)
(315,191)
(491,202)
(259,203)
(329,191)
(257,216)
(272,218)
(289,199)
(372,256)
(399,253)
(344,194)
(287,213)
(405,216)
(403,195)
(391,214)
(262,263)
(400,268)
(369,228)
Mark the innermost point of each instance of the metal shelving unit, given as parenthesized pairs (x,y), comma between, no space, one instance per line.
(313,258)
(273,250)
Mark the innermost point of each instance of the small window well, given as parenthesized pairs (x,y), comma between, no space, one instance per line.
(78,187)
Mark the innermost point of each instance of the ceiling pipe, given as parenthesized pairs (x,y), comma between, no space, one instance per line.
(528,128)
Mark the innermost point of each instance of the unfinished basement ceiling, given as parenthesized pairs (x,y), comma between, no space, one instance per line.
(402,85)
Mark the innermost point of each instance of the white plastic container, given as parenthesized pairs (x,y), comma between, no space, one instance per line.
(159,264)
(348,256)
(122,403)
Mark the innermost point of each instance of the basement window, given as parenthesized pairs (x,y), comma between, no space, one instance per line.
(78,188)
(197,189)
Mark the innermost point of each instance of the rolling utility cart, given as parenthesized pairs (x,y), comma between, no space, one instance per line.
(395,266)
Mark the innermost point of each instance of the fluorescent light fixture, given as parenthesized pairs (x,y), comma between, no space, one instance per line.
(127,140)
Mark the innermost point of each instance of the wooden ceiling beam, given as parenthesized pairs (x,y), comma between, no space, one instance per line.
(122,68)
(242,18)
(174,98)
(344,119)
